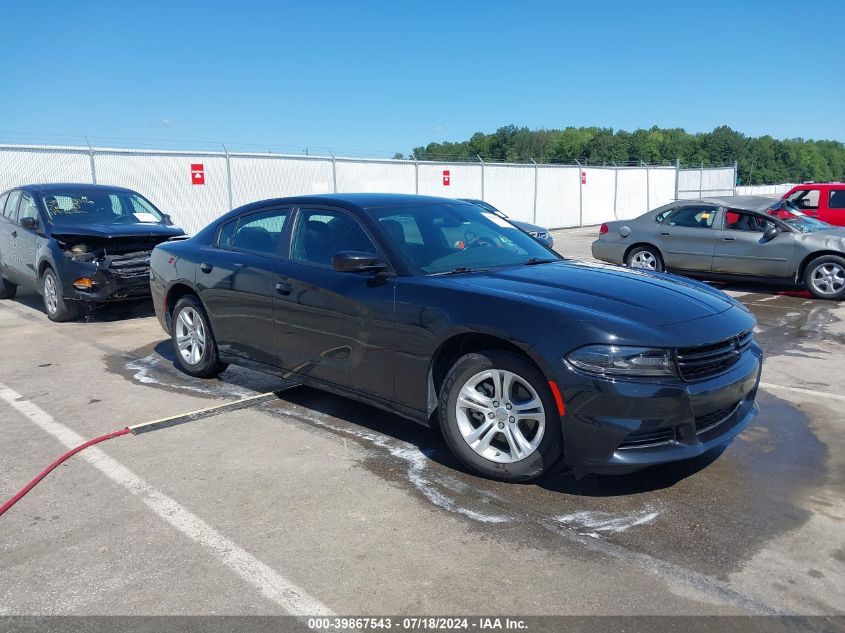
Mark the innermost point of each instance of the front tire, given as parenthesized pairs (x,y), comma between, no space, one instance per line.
(499,417)
(645,258)
(58,308)
(193,340)
(825,277)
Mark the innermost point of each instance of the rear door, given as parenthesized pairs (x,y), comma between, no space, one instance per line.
(741,249)
(5,231)
(235,279)
(686,238)
(335,326)
(8,237)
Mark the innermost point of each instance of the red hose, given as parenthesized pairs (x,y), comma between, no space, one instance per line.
(52,466)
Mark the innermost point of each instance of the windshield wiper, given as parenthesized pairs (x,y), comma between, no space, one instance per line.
(459,269)
(538,260)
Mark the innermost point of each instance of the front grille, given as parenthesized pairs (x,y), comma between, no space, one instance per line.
(641,439)
(714,418)
(696,363)
(130,265)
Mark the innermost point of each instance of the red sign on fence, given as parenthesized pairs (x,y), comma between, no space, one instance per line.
(198,174)
(583,178)
(446,178)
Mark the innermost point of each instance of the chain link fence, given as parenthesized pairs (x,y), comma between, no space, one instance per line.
(195,187)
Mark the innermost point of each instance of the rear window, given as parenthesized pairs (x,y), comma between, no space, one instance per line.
(837,199)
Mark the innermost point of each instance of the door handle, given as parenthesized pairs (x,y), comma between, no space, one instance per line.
(206,268)
(729,239)
(14,233)
(667,233)
(283,288)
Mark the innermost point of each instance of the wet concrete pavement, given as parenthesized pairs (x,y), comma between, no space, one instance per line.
(371,514)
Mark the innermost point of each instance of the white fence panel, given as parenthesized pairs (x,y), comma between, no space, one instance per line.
(631,192)
(709,181)
(557,196)
(510,188)
(27,166)
(464,180)
(661,186)
(373,176)
(597,194)
(264,177)
(764,190)
(166,180)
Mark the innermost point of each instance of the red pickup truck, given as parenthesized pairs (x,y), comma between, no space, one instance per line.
(823,201)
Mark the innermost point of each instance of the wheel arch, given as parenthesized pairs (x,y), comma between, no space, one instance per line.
(802,268)
(644,244)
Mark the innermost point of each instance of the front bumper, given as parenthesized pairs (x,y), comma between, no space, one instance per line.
(619,426)
(108,284)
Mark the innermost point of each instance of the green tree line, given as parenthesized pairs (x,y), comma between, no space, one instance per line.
(761,160)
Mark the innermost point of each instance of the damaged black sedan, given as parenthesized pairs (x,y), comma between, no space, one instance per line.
(76,244)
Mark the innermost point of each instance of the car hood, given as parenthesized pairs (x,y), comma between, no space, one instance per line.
(528,227)
(116,230)
(592,289)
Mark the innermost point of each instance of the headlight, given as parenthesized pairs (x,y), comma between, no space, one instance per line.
(626,361)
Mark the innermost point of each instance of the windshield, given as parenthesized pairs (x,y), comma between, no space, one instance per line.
(439,238)
(788,214)
(99,207)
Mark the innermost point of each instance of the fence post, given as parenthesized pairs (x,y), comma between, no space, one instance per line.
(615,187)
(647,188)
(677,178)
(535,190)
(701,181)
(736,169)
(91,158)
(482,175)
(580,195)
(334,172)
(416,174)
(228,177)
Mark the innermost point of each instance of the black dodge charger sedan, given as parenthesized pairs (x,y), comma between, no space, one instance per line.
(77,243)
(447,314)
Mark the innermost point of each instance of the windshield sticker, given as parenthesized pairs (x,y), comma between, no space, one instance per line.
(495,219)
(145,217)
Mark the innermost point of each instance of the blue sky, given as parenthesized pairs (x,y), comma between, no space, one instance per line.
(380,77)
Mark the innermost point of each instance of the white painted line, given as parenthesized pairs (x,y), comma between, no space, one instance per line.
(272,585)
(809,392)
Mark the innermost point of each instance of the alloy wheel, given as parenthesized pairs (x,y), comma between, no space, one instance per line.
(500,416)
(828,278)
(190,335)
(51,294)
(645,260)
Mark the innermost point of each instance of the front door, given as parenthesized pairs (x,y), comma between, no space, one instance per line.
(335,326)
(25,242)
(686,238)
(235,279)
(741,249)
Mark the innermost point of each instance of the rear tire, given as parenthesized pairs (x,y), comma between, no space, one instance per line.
(58,308)
(193,340)
(825,277)
(510,432)
(645,258)
(7,289)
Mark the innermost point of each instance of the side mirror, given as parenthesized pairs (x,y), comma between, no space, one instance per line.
(357,262)
(166,220)
(29,223)
(770,233)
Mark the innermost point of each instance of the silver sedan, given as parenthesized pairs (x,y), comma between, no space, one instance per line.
(747,238)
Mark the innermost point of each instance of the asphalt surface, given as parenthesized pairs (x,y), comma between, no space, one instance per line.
(306,502)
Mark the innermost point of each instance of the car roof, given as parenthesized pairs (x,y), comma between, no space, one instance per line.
(63,187)
(742,203)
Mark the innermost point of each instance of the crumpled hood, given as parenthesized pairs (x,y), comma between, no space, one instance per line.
(116,230)
(579,287)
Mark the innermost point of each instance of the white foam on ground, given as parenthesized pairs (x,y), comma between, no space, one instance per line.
(596,523)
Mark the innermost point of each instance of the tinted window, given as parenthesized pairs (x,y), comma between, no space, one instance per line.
(805,199)
(28,208)
(693,217)
(11,209)
(837,199)
(321,234)
(3,199)
(738,221)
(257,232)
(438,238)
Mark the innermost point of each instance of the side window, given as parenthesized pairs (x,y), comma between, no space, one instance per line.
(11,209)
(739,221)
(837,199)
(3,199)
(256,232)
(693,217)
(663,215)
(321,234)
(805,199)
(28,208)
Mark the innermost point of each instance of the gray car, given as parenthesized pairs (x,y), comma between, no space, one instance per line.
(537,232)
(750,238)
